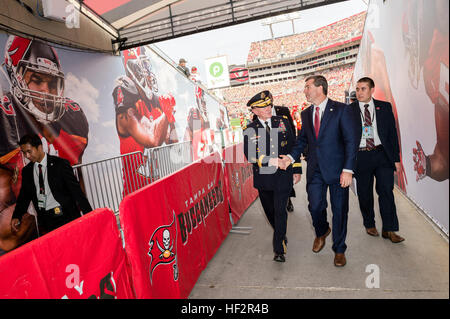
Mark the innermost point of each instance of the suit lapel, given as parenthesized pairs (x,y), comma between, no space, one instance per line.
(30,176)
(357,111)
(326,116)
(378,115)
(50,171)
(377,107)
(309,122)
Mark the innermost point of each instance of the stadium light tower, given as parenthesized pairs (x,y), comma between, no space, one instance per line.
(281,18)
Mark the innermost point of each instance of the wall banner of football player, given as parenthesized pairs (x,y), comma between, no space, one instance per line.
(38,83)
(405,51)
(88,107)
(163,102)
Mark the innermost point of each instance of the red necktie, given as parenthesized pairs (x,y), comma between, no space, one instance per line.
(317,122)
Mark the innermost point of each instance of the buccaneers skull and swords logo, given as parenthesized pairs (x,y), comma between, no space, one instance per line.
(163,244)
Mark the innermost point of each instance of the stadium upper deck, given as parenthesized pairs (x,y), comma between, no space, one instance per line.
(281,65)
(289,47)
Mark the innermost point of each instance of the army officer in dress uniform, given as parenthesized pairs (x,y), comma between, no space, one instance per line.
(266,138)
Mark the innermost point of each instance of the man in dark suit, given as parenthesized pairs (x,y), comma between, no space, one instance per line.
(49,183)
(284,112)
(332,138)
(379,157)
(265,138)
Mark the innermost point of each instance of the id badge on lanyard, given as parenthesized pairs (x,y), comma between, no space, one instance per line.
(42,201)
(367,132)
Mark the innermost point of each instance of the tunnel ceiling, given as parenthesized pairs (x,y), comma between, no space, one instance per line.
(140,22)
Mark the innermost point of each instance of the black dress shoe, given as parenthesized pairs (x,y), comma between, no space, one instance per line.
(280,258)
(290,207)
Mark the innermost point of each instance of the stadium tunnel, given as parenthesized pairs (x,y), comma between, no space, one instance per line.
(113,26)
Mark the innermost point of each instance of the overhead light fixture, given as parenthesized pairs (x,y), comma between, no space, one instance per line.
(106,26)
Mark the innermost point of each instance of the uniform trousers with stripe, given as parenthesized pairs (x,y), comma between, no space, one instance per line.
(274,205)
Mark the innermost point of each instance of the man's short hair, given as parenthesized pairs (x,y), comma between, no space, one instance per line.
(367,80)
(319,80)
(32,139)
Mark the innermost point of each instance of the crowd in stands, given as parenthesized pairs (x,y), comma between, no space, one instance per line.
(307,41)
(288,93)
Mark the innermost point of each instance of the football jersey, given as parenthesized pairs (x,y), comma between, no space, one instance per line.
(195,115)
(134,166)
(69,135)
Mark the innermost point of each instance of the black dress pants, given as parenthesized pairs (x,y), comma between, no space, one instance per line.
(375,165)
(48,221)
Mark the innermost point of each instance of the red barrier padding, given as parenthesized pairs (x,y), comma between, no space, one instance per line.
(238,180)
(80,260)
(173,227)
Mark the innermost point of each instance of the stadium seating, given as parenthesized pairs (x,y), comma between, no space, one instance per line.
(290,92)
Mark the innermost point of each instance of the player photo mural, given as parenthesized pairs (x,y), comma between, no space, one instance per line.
(144,118)
(407,57)
(427,50)
(198,128)
(88,107)
(34,103)
(155,105)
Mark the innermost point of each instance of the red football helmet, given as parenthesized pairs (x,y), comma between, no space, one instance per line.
(23,56)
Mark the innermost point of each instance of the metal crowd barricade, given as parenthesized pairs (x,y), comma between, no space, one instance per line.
(103,181)
(166,160)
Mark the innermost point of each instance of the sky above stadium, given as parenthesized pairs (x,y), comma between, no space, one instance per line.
(235,41)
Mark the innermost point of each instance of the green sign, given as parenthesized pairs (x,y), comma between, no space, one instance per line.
(340,55)
(216,69)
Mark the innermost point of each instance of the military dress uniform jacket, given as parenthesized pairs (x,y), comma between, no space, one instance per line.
(284,112)
(260,146)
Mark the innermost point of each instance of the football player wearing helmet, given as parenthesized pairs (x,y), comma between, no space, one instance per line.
(35,104)
(435,77)
(137,130)
(139,69)
(198,126)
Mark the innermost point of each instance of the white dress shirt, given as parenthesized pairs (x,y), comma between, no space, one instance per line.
(321,107)
(51,201)
(376,138)
(269,123)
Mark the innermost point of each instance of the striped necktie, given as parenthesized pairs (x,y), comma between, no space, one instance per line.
(370,143)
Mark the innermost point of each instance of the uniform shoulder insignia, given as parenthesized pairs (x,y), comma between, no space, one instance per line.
(285,116)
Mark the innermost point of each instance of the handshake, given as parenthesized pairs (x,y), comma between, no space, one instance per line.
(282,162)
